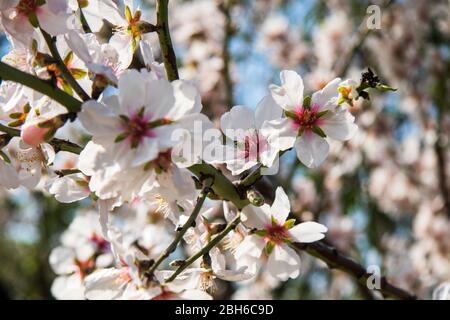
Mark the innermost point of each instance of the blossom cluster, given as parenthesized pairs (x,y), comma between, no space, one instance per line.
(145,133)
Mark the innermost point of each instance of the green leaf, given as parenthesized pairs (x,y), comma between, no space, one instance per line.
(289,223)
(121,137)
(383,88)
(269,247)
(307,102)
(261,233)
(317,130)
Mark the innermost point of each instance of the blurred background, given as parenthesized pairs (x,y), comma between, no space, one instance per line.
(384,195)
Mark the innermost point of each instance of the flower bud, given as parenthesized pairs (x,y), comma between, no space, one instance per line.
(255,197)
(34,134)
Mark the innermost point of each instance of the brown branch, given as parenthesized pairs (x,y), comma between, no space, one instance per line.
(225,8)
(336,260)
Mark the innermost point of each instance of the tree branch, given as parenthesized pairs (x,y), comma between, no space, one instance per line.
(168,54)
(230,226)
(336,260)
(65,73)
(9,73)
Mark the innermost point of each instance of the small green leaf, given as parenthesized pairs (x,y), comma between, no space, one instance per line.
(290,114)
(261,233)
(121,137)
(269,247)
(289,223)
(383,88)
(307,102)
(15,115)
(317,130)
(128,14)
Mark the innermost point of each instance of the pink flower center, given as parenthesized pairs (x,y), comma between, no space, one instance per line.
(102,244)
(254,144)
(27,7)
(276,233)
(306,118)
(137,128)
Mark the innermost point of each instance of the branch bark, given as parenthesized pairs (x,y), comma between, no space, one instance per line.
(9,73)
(336,260)
(168,54)
(65,73)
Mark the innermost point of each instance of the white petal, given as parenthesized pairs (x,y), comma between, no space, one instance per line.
(62,260)
(8,176)
(290,94)
(132,92)
(187,100)
(67,190)
(78,46)
(145,152)
(162,99)
(68,288)
(256,217)
(194,295)
(104,284)
(339,125)
(122,43)
(6,4)
(267,110)
(235,122)
(280,133)
(98,120)
(327,97)
(55,23)
(308,232)
(283,263)
(251,246)
(311,149)
(281,207)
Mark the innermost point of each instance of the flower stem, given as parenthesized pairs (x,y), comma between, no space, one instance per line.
(63,68)
(206,248)
(173,246)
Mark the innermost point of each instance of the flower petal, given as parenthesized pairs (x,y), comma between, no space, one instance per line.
(311,149)
(283,263)
(281,206)
(308,232)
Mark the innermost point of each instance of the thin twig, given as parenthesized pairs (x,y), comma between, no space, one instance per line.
(65,73)
(336,260)
(173,246)
(9,73)
(230,226)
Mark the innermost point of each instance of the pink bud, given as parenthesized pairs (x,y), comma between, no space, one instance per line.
(33,135)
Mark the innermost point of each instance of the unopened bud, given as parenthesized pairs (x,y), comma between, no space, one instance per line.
(255,197)
(34,134)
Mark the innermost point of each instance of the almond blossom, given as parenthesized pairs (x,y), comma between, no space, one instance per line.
(247,143)
(21,17)
(272,236)
(308,121)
